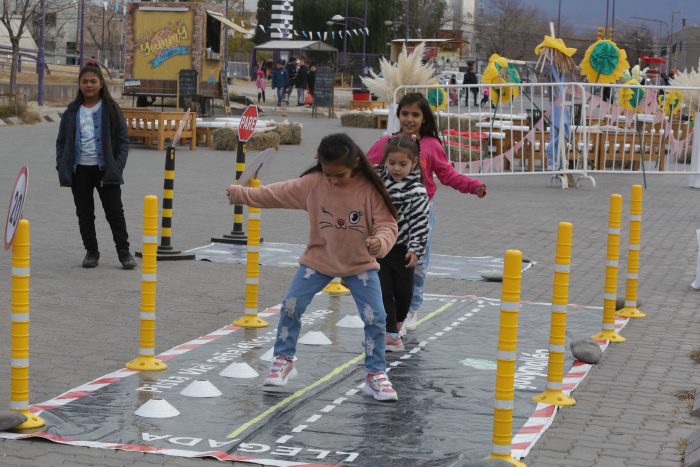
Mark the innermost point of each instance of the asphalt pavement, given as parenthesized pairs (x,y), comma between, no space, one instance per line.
(84,322)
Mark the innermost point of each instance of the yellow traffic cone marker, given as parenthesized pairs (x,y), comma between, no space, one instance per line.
(147,361)
(554,394)
(335,286)
(505,366)
(612,258)
(630,310)
(19,364)
(250,317)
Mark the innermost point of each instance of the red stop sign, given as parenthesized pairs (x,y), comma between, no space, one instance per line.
(248,121)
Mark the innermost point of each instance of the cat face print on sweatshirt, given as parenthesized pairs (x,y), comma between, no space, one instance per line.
(342,220)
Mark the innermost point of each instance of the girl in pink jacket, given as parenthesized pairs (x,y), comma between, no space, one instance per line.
(416,118)
(351,223)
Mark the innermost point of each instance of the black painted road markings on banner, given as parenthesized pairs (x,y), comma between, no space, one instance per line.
(352,392)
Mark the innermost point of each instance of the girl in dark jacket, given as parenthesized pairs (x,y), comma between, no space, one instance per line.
(91,151)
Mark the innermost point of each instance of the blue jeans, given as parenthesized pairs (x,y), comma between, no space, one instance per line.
(280,96)
(422,266)
(366,291)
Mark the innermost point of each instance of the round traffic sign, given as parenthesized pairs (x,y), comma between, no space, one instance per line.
(246,126)
(14,212)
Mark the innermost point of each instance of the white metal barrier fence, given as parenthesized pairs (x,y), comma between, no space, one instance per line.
(603,128)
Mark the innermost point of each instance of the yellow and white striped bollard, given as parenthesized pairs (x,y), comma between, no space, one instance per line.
(554,394)
(611,261)
(507,353)
(630,310)
(19,365)
(335,286)
(250,317)
(149,279)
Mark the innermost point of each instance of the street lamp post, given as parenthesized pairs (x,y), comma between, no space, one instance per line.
(102,45)
(362,22)
(40,57)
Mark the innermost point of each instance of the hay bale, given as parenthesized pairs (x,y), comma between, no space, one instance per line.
(357,120)
(226,139)
(290,133)
(262,141)
(459,123)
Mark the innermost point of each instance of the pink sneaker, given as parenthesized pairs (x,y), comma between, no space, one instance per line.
(377,385)
(394,345)
(281,370)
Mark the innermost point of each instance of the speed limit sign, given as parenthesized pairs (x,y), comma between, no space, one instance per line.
(14,213)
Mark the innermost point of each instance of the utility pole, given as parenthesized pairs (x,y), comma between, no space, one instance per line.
(102,45)
(40,58)
(81,57)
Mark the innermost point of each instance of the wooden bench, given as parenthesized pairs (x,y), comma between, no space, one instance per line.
(366,105)
(161,126)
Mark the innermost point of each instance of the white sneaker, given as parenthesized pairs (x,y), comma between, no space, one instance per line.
(281,370)
(377,385)
(411,321)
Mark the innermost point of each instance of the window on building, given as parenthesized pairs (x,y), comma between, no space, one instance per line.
(213,34)
(50,20)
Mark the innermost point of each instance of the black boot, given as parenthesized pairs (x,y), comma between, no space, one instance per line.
(91,260)
(128,261)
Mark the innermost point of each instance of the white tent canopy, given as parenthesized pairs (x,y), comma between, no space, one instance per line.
(306,46)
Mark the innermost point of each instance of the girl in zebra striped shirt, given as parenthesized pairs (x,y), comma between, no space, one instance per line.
(401,173)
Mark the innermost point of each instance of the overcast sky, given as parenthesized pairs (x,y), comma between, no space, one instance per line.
(589,14)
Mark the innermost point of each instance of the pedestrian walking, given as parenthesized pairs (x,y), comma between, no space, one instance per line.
(279,81)
(351,223)
(91,152)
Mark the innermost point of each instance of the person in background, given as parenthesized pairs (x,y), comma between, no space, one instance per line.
(312,78)
(453,91)
(291,77)
(302,81)
(279,81)
(91,151)
(416,118)
(260,84)
(351,223)
(471,79)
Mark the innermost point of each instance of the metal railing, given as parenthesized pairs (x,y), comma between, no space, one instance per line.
(604,129)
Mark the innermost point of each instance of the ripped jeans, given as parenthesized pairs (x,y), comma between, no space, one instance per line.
(366,291)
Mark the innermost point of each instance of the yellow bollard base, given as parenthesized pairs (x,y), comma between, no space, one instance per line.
(507,458)
(631,312)
(335,288)
(250,321)
(607,335)
(33,421)
(554,397)
(146,363)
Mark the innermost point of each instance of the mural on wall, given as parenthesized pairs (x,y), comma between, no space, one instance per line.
(282,19)
(164,42)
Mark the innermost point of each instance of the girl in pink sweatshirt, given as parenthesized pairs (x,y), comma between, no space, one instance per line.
(351,223)
(416,118)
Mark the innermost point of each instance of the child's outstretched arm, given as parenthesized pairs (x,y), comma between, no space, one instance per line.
(290,194)
(450,177)
(384,231)
(419,212)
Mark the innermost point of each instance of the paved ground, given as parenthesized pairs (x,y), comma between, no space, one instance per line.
(84,322)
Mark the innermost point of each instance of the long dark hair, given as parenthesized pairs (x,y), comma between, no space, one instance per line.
(339,148)
(93,67)
(429,127)
(406,145)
